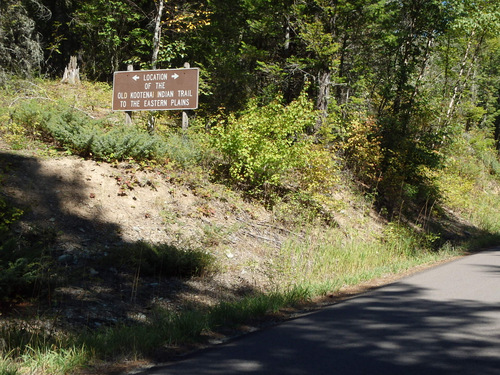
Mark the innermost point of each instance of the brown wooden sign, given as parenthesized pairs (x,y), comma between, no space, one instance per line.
(156,90)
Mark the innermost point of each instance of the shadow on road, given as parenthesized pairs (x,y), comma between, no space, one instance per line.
(394,330)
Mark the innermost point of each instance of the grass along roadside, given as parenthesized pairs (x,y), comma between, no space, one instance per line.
(321,261)
(327,263)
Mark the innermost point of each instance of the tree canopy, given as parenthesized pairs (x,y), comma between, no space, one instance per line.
(409,74)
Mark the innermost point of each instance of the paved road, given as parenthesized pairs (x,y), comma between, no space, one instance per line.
(445,320)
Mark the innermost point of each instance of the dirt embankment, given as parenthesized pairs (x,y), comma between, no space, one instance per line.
(94,208)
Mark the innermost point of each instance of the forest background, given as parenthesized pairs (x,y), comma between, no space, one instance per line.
(393,81)
(300,100)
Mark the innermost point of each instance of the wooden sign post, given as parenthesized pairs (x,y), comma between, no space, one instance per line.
(185,118)
(128,114)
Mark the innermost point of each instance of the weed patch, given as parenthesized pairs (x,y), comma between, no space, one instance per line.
(25,264)
(341,260)
(162,260)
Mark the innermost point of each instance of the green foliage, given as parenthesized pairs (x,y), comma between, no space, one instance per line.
(117,32)
(8,216)
(20,125)
(7,367)
(470,180)
(24,263)
(186,150)
(79,134)
(56,361)
(335,257)
(298,208)
(408,153)
(403,240)
(254,307)
(483,147)
(265,143)
(362,150)
(109,31)
(34,349)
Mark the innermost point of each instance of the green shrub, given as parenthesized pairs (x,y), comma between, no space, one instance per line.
(125,142)
(23,259)
(470,180)
(82,135)
(8,216)
(265,143)
(402,240)
(183,149)
(362,150)
(73,131)
(22,124)
(483,146)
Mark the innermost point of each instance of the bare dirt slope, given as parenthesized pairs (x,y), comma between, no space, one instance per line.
(97,207)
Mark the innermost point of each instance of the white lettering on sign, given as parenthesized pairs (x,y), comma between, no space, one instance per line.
(179,102)
(165,94)
(155,103)
(183,93)
(142,94)
(155,77)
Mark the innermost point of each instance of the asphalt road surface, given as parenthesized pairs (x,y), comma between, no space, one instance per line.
(445,320)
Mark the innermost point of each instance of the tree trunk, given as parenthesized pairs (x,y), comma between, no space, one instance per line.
(157,34)
(154,58)
(430,41)
(324,83)
(457,90)
(497,127)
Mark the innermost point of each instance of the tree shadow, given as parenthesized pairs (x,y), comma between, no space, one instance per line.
(42,195)
(393,330)
(96,286)
(93,293)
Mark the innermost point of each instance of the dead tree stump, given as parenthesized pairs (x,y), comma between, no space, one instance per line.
(71,72)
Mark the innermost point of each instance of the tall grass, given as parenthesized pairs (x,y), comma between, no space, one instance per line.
(26,350)
(328,260)
(164,329)
(54,361)
(7,366)
(170,329)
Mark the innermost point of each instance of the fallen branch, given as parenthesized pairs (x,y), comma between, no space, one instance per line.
(262,237)
(262,224)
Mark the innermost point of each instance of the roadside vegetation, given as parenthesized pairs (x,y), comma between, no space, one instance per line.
(367,132)
(319,259)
